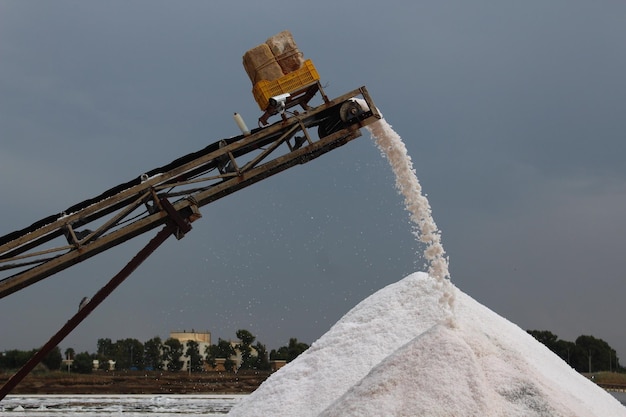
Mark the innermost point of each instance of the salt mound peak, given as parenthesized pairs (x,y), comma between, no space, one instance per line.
(391,355)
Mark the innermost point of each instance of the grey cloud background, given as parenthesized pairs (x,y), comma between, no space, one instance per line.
(512,113)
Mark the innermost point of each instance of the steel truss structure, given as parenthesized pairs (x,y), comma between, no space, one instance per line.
(194,180)
(170,196)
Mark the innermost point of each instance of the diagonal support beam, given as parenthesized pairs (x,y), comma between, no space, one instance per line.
(175,225)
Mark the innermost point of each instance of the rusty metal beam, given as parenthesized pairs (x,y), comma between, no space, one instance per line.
(41,271)
(177,216)
(175,225)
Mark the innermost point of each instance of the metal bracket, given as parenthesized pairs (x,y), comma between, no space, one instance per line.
(182,224)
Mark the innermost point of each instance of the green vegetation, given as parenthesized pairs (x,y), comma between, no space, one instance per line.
(289,352)
(223,349)
(587,354)
(14,359)
(172,352)
(155,355)
(83,363)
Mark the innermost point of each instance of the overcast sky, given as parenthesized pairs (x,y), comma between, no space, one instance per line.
(513,113)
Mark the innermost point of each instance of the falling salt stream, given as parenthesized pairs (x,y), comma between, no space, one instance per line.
(416,203)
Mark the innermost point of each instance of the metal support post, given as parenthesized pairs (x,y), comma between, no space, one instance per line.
(176,225)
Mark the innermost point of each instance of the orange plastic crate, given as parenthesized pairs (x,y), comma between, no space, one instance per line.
(292,82)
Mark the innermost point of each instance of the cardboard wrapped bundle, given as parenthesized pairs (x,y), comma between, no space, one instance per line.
(285,51)
(260,64)
(278,56)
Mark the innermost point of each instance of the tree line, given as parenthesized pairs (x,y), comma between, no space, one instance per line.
(170,355)
(586,354)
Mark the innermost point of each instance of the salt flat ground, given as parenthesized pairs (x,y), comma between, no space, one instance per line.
(128,405)
(115,405)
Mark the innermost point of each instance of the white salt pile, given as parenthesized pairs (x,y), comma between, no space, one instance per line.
(391,356)
(421,347)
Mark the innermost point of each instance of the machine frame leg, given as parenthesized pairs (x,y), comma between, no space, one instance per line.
(176,225)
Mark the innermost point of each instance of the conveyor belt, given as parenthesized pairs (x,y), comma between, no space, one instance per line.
(132,208)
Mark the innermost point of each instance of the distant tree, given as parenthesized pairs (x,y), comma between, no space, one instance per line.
(279,354)
(172,352)
(295,349)
(587,354)
(136,354)
(105,348)
(53,359)
(69,354)
(13,359)
(566,350)
(121,355)
(128,354)
(245,337)
(245,348)
(210,354)
(289,352)
(105,351)
(261,362)
(544,336)
(83,363)
(223,349)
(193,353)
(594,355)
(153,353)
